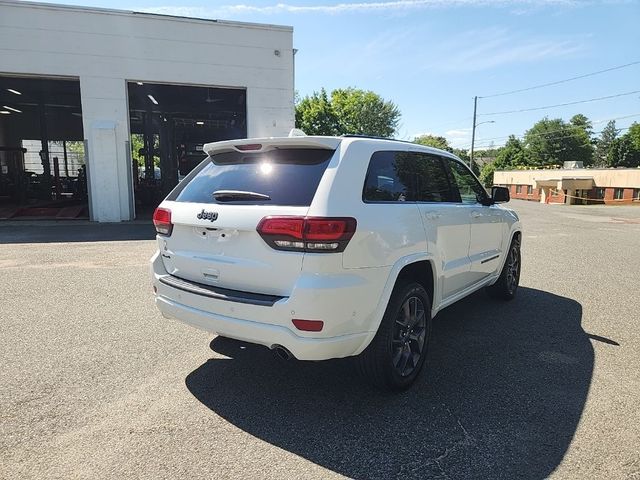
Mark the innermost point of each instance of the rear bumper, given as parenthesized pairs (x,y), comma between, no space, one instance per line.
(262,333)
(269,325)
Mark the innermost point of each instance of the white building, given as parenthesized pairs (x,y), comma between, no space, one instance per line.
(74,74)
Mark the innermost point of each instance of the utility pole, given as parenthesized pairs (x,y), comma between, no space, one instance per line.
(473,131)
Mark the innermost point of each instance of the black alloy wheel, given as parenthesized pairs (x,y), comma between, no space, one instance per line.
(398,352)
(409,336)
(507,284)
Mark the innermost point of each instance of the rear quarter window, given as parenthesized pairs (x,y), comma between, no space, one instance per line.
(287,176)
(397,176)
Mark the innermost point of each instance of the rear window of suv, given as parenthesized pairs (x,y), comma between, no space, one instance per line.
(286,176)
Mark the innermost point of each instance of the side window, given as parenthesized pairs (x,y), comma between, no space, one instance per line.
(470,189)
(406,177)
(390,178)
(432,180)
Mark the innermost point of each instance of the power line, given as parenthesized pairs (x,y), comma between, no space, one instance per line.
(507,112)
(521,137)
(558,82)
(554,131)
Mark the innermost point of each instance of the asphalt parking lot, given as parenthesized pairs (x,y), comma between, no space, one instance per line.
(96,384)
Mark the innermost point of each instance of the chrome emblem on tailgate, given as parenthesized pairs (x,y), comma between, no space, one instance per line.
(213,216)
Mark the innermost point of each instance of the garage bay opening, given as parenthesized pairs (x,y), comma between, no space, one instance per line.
(169,124)
(42,158)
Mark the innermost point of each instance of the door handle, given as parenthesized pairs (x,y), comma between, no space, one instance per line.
(476,214)
(432,215)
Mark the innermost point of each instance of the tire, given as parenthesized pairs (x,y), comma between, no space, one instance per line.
(506,286)
(390,362)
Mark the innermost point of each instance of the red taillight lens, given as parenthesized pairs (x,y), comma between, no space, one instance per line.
(307,234)
(286,226)
(162,221)
(308,325)
(329,228)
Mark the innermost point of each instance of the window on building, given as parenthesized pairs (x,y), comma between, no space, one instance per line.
(529,190)
(600,193)
(518,188)
(618,193)
(636,194)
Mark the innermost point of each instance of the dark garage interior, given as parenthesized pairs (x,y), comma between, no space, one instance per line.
(42,158)
(169,125)
(42,164)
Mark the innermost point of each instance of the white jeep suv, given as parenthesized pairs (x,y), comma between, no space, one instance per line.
(327,247)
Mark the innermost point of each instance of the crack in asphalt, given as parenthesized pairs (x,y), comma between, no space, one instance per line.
(467,441)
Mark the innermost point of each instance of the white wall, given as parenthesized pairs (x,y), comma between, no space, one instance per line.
(104,48)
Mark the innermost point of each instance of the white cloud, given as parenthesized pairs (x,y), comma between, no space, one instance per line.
(359,7)
(462,133)
(490,48)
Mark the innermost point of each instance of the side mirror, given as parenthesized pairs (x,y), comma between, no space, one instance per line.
(500,194)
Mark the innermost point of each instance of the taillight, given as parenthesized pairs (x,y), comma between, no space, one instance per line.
(162,221)
(307,234)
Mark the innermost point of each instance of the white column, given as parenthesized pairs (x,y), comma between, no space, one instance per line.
(105,119)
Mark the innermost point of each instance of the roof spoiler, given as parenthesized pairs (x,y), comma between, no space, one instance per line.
(256,145)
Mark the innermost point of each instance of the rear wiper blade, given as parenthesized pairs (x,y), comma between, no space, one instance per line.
(239,195)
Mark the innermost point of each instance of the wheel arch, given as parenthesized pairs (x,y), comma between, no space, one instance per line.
(419,267)
(515,232)
(421,272)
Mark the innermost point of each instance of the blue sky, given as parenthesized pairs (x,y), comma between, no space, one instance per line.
(432,56)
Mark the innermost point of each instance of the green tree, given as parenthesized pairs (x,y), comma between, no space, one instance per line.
(364,112)
(137,149)
(553,142)
(623,154)
(625,150)
(603,144)
(347,111)
(583,134)
(315,115)
(582,122)
(486,174)
(434,141)
(513,154)
(137,145)
(634,135)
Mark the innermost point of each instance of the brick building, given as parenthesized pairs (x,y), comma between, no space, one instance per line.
(574,186)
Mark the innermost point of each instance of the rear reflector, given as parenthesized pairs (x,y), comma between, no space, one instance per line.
(307,234)
(308,325)
(162,221)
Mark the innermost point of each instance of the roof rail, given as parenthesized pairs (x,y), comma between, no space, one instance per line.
(374,137)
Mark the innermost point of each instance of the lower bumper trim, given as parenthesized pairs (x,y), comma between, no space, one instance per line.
(220,293)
